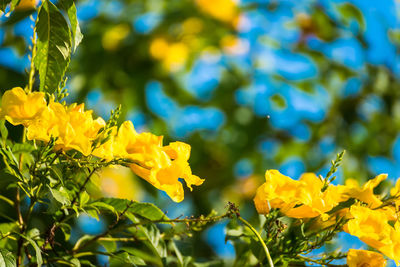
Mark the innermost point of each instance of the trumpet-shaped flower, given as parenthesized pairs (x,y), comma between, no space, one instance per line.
(366,192)
(373,228)
(161,166)
(18,107)
(297,199)
(364,258)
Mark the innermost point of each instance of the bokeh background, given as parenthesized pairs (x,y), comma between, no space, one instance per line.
(249,84)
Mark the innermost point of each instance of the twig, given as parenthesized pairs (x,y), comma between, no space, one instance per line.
(271,263)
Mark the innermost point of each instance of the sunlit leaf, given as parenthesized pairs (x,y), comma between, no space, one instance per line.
(6,258)
(53,46)
(77,36)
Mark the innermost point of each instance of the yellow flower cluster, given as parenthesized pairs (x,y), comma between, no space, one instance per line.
(375,224)
(364,258)
(75,128)
(224,10)
(296,199)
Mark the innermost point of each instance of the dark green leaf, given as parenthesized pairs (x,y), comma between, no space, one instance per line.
(61,195)
(145,210)
(53,46)
(6,258)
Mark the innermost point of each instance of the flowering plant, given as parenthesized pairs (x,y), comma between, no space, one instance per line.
(55,150)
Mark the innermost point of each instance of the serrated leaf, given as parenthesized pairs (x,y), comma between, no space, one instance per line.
(53,46)
(145,210)
(77,36)
(22,148)
(84,198)
(61,195)
(6,258)
(104,206)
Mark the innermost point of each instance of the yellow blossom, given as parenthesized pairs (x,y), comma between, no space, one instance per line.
(364,258)
(395,191)
(366,192)
(113,37)
(172,55)
(298,199)
(18,107)
(73,127)
(161,166)
(224,10)
(373,228)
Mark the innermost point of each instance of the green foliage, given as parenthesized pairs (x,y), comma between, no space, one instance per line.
(6,258)
(53,46)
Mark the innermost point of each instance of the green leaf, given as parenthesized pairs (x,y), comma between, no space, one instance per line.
(125,257)
(6,258)
(155,242)
(145,210)
(104,206)
(53,46)
(77,36)
(23,148)
(61,195)
(39,259)
(84,198)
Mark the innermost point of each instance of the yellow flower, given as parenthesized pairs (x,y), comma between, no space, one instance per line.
(17,107)
(172,55)
(161,166)
(364,258)
(297,199)
(366,192)
(73,127)
(373,228)
(113,37)
(395,191)
(224,10)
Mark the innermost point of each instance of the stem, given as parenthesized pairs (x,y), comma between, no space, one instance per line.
(6,199)
(94,239)
(52,230)
(319,262)
(17,203)
(271,263)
